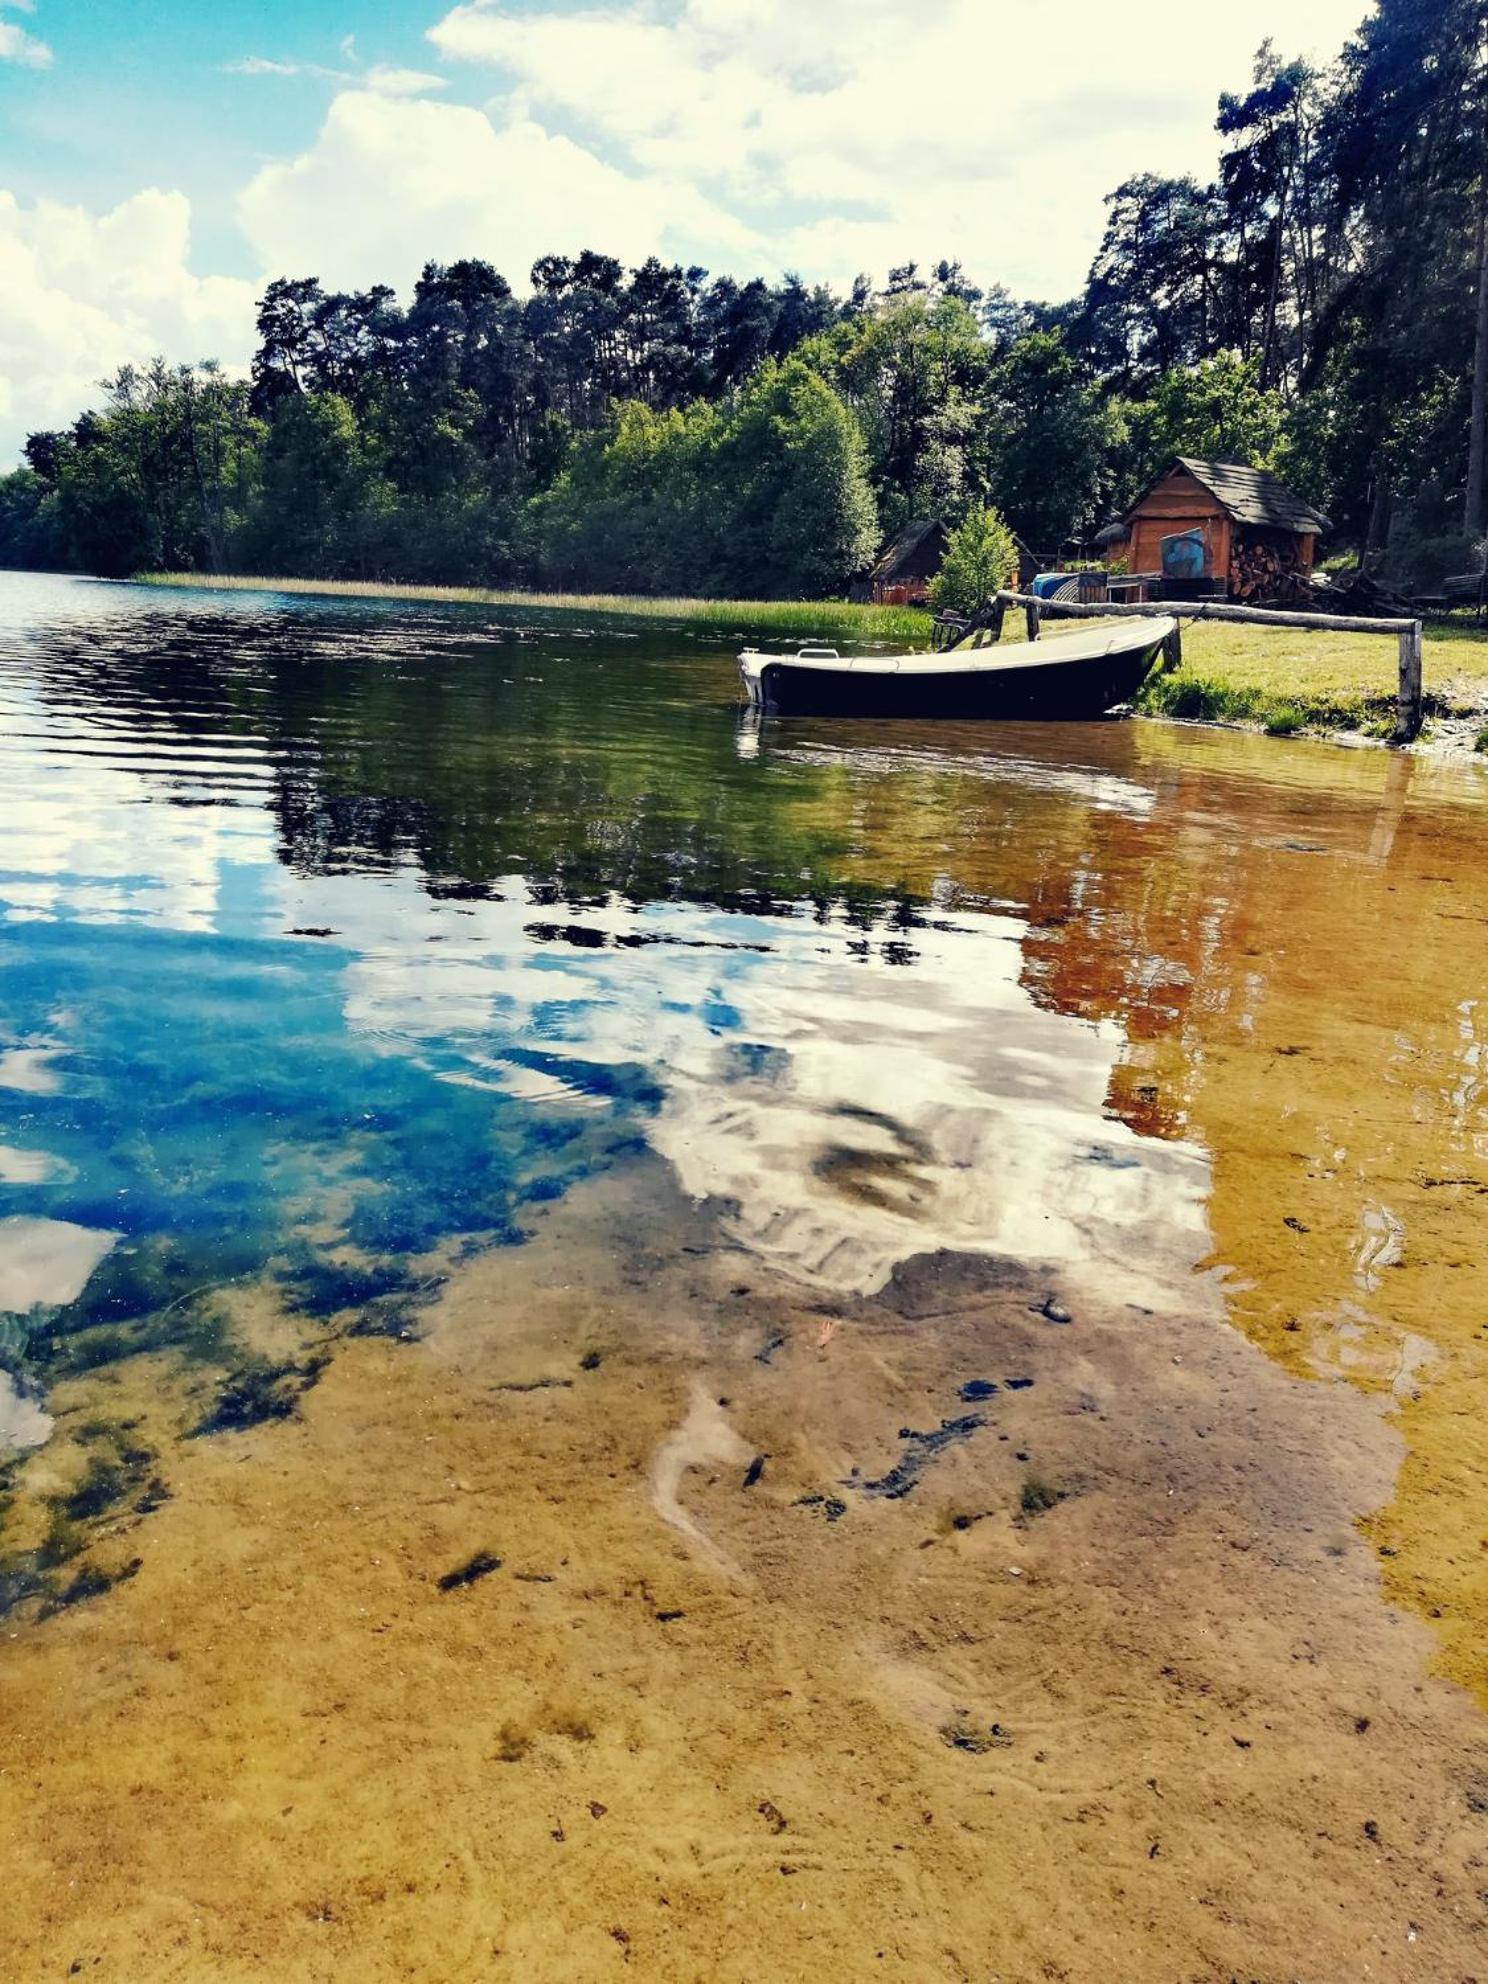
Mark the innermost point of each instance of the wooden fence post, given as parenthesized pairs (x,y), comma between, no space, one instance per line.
(999,614)
(1173,649)
(1031,616)
(1410,700)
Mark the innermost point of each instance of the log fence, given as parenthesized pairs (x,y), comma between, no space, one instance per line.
(1410,690)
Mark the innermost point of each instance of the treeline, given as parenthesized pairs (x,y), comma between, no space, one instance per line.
(1321,309)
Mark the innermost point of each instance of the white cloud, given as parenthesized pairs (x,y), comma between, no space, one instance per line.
(383,78)
(18,46)
(386,80)
(851,134)
(753,136)
(390,183)
(83,293)
(261,65)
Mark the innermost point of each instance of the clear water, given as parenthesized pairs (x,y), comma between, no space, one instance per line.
(332,933)
(337,937)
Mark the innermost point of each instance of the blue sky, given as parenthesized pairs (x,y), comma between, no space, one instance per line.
(138,93)
(159,162)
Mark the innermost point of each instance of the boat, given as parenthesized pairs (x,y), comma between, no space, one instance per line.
(1071,676)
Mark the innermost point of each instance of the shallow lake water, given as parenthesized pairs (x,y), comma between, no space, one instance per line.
(634,1337)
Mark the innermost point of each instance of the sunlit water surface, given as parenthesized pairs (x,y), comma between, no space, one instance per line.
(337,938)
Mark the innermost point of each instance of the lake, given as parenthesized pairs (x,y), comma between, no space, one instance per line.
(756,1349)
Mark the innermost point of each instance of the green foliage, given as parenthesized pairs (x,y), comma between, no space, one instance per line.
(323,507)
(1217,410)
(912,370)
(767,494)
(1312,310)
(29,534)
(981,558)
(1046,437)
(1284,721)
(161,476)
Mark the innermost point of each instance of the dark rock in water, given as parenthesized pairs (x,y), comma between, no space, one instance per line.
(105,1482)
(1037,1496)
(535,1385)
(259,1392)
(1018,1384)
(590,1361)
(944,1282)
(755,1469)
(393,1317)
(978,1388)
(666,1618)
(91,1581)
(830,1505)
(961,1733)
(918,1450)
(1114,1160)
(1055,1312)
(480,1565)
(321,1288)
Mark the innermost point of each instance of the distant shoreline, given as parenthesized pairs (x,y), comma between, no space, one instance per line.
(790,616)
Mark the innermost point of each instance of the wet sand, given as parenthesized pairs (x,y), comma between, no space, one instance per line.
(1110,1691)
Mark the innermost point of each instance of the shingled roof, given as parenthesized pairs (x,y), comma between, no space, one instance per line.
(1253,496)
(903,545)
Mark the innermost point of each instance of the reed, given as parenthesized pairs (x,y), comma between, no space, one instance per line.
(803,617)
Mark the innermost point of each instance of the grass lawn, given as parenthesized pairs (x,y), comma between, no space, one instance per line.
(1282,678)
(1287,679)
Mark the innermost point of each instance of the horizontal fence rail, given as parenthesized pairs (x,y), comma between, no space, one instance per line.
(1410,691)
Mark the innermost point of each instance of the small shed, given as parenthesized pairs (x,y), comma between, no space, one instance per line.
(1221,528)
(905,566)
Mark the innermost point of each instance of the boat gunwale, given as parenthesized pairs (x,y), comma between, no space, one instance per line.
(1127,636)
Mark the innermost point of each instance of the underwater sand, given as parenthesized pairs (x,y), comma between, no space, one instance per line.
(809,1355)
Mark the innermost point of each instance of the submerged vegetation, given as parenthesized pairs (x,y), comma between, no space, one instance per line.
(1315,310)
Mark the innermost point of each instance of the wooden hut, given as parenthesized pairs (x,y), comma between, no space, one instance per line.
(1223,529)
(906,565)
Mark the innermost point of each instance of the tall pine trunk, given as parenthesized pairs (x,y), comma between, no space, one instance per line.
(1474,516)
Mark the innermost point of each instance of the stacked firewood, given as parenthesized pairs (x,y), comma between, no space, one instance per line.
(1267,571)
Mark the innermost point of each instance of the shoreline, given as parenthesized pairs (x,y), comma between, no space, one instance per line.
(726,616)
(1232,677)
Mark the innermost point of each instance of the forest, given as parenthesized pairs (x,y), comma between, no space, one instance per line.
(1320,309)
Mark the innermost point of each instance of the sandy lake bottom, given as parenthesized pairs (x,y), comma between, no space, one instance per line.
(636,1347)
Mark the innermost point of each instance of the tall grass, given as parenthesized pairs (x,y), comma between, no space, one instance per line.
(803,617)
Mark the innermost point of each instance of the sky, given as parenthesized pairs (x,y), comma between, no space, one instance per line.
(161,159)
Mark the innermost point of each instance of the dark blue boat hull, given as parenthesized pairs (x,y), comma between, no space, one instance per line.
(1070,690)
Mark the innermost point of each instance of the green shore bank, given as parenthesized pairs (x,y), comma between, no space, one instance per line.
(1279,679)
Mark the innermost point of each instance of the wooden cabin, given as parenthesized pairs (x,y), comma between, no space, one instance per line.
(1220,529)
(905,566)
